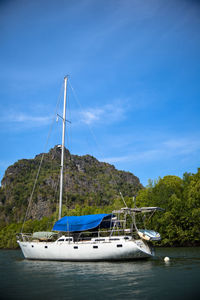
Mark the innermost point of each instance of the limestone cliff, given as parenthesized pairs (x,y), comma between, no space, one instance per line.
(86,182)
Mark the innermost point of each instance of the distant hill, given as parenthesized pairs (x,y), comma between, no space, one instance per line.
(86,182)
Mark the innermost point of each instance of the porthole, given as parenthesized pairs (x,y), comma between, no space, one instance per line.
(120,245)
(95,247)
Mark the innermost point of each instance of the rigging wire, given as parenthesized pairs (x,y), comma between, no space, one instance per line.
(82,110)
(39,168)
(95,139)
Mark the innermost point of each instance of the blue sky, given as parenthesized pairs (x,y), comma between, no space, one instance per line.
(134,69)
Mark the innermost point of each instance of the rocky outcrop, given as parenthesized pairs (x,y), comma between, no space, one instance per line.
(86,180)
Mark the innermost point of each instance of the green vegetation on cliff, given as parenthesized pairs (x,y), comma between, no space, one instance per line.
(86,182)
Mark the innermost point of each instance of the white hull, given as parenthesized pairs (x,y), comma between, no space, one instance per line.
(86,251)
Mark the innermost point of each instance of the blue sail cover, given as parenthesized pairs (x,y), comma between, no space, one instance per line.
(81,223)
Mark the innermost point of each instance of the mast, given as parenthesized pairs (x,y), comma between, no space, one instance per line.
(63,148)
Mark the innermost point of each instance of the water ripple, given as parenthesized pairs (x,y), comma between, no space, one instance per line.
(150,279)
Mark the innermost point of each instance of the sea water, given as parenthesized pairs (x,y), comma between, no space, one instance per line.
(143,279)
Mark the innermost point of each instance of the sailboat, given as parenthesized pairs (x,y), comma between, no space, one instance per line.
(99,237)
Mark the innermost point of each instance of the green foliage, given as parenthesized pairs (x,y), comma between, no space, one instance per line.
(179,224)
(8,233)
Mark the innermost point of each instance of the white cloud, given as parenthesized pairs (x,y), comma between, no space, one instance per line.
(91,115)
(106,114)
(23,120)
(134,157)
(182,146)
(168,149)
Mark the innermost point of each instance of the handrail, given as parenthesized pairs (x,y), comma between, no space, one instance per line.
(83,236)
